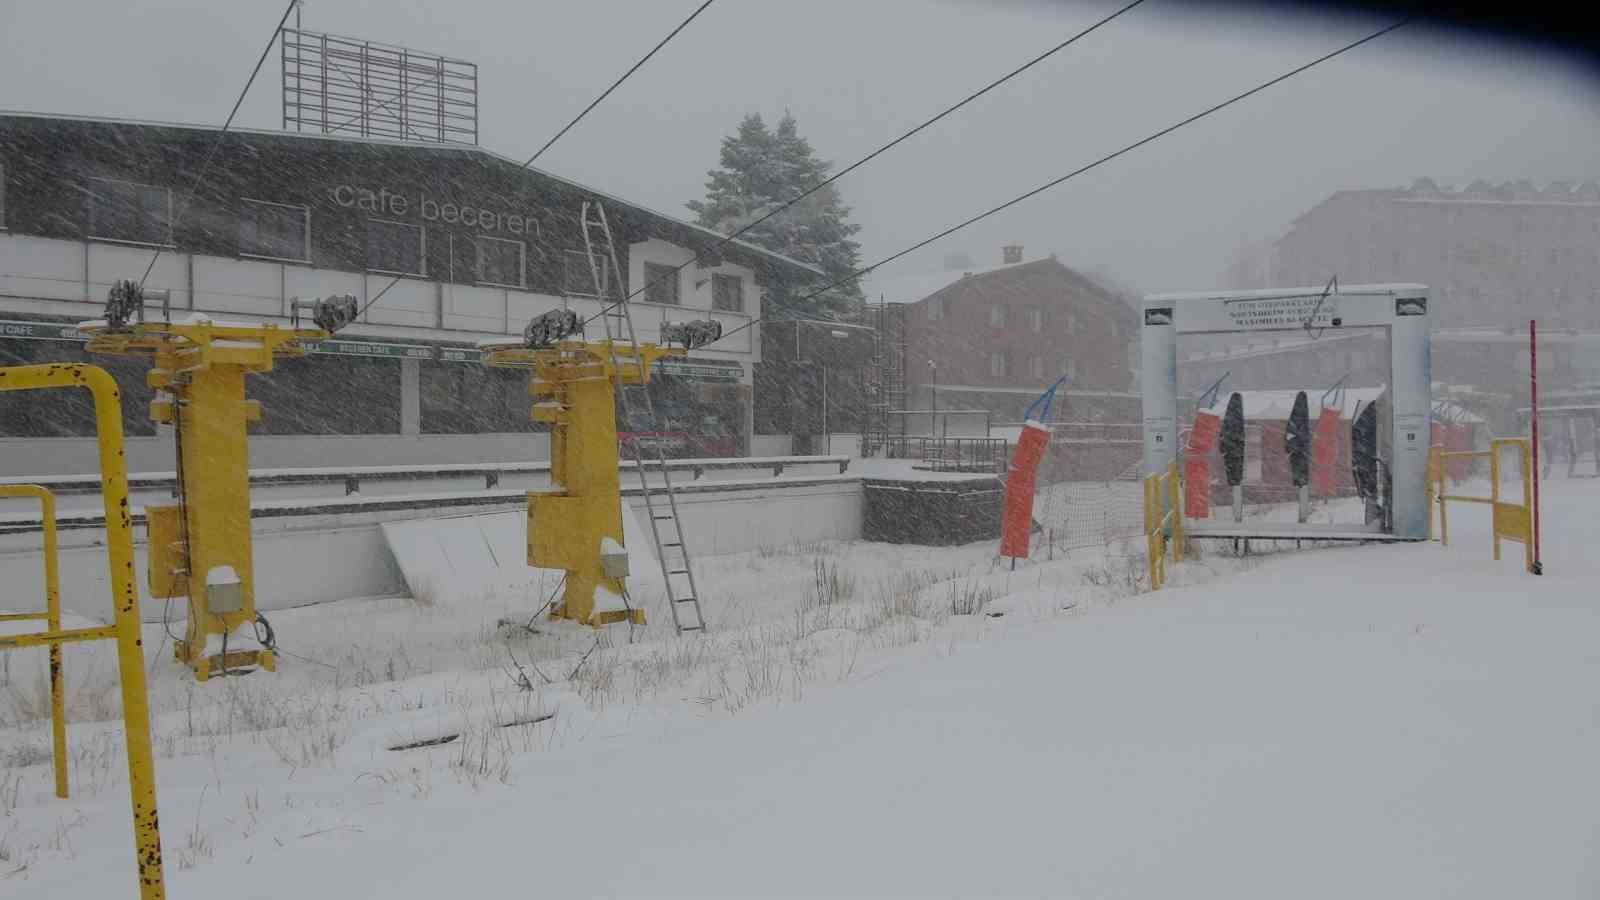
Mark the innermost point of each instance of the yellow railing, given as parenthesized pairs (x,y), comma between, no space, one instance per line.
(124,604)
(1510,521)
(52,622)
(1163,522)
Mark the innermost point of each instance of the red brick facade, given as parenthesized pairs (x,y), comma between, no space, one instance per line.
(1051,321)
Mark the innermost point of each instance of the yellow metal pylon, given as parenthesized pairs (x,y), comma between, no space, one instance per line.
(573,386)
(200,547)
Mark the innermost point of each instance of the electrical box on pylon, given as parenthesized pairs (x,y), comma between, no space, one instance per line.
(200,546)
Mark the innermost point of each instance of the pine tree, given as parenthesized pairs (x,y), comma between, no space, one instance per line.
(763,169)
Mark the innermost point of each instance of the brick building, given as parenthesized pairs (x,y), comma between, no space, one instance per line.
(993,340)
(1492,254)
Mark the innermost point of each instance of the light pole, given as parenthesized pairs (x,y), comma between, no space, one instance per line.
(933,393)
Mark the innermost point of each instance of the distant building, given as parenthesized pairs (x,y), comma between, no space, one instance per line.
(993,340)
(1494,255)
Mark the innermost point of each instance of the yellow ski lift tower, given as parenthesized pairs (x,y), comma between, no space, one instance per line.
(576,525)
(200,547)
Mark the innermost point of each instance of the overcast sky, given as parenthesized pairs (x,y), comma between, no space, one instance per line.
(1170,216)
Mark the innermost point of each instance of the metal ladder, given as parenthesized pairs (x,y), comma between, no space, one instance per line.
(666,528)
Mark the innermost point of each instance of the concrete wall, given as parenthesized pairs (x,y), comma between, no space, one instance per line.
(771,445)
(80,456)
(326,555)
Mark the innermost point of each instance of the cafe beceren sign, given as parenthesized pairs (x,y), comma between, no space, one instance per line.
(385,202)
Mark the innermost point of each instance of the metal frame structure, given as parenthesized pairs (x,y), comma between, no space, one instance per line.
(1403,309)
(125,627)
(343,85)
(887,385)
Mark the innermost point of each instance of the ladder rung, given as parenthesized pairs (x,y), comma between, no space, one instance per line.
(666,516)
(673,544)
(678,572)
(687,600)
(693,628)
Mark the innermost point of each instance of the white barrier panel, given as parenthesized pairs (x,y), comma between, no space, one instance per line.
(318,551)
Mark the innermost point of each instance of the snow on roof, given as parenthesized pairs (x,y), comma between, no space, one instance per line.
(1276,405)
(916,286)
(1344,289)
(422,145)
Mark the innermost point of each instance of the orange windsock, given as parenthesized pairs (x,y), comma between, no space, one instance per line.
(1017,519)
(1325,453)
(1197,464)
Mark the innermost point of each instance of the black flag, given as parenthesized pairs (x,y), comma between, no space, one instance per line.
(1364,452)
(1232,442)
(1297,441)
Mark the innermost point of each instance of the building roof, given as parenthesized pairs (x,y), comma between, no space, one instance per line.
(430,147)
(918,287)
(1274,293)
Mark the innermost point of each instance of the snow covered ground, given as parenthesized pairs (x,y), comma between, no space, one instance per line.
(1403,720)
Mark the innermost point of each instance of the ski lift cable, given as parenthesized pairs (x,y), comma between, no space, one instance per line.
(878,152)
(222,135)
(569,126)
(1081,170)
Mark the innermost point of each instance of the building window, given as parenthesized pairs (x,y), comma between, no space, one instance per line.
(2,196)
(727,293)
(1038,367)
(500,261)
(661,284)
(274,230)
(1072,324)
(1036,318)
(997,316)
(997,365)
(129,211)
(1068,368)
(580,278)
(394,247)
(935,309)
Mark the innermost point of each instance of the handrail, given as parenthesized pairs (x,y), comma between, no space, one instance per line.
(52,623)
(126,630)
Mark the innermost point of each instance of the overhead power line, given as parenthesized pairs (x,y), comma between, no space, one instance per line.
(205,164)
(876,153)
(615,84)
(586,110)
(1079,171)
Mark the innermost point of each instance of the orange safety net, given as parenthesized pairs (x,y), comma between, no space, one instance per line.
(1017,519)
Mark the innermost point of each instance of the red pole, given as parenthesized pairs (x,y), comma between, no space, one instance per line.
(1533,416)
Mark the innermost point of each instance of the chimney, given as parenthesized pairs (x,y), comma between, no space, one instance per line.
(1013,253)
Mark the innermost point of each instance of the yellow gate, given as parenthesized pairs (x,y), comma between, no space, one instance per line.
(1510,521)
